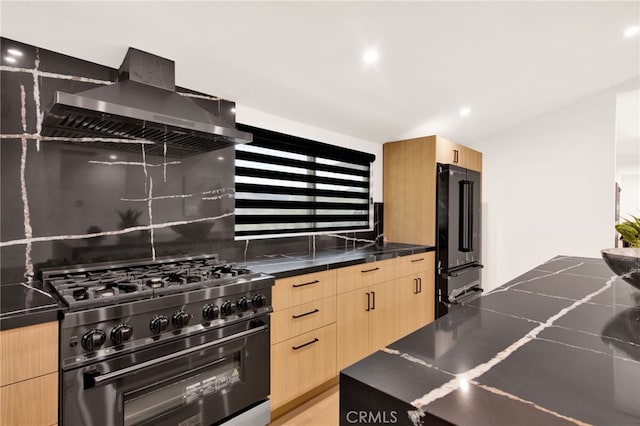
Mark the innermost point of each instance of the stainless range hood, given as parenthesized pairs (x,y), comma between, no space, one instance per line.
(143,105)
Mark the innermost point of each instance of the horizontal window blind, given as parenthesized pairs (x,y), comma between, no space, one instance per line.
(287,185)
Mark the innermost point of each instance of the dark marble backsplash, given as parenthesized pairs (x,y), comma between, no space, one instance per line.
(70,202)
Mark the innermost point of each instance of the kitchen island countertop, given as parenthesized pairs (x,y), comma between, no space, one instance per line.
(558,345)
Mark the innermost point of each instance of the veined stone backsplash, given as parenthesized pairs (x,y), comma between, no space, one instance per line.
(67,202)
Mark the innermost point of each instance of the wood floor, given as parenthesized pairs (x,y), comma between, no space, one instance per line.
(323,410)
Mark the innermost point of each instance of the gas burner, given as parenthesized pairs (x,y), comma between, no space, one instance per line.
(94,285)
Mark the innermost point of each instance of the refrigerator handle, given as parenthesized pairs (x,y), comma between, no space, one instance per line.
(466,216)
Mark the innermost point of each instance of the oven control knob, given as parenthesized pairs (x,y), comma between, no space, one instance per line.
(93,339)
(121,333)
(210,312)
(181,319)
(242,305)
(158,324)
(227,308)
(258,301)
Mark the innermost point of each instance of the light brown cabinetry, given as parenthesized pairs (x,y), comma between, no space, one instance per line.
(448,152)
(300,364)
(417,291)
(303,335)
(377,314)
(326,321)
(29,375)
(368,319)
(409,185)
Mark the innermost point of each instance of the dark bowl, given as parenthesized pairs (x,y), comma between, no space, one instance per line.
(625,262)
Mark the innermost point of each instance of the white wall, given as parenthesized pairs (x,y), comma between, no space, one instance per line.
(262,119)
(548,187)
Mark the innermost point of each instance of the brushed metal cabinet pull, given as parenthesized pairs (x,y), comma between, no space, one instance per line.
(368,301)
(303,284)
(419,285)
(370,270)
(416,290)
(305,314)
(417,260)
(315,339)
(373,300)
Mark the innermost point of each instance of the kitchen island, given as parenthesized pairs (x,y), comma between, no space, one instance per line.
(558,345)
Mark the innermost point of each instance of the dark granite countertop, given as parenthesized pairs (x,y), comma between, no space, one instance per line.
(25,304)
(287,265)
(557,345)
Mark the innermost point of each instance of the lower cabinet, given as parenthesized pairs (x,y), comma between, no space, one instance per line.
(31,402)
(326,321)
(368,319)
(29,375)
(300,364)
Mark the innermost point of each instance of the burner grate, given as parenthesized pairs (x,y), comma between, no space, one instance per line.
(113,284)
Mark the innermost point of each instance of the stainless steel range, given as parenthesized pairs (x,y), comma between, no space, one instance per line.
(173,342)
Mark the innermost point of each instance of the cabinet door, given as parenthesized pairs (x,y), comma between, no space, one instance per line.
(300,364)
(470,159)
(31,402)
(299,289)
(353,327)
(409,190)
(418,214)
(288,323)
(423,303)
(28,352)
(386,315)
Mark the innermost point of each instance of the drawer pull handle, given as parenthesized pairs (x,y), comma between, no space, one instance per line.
(315,339)
(370,270)
(417,260)
(303,284)
(305,314)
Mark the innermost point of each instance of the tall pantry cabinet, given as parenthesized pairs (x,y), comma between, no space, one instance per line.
(410,185)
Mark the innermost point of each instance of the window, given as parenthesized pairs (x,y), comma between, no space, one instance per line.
(287,185)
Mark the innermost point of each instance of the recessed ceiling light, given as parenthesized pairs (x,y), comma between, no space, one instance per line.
(233,110)
(632,31)
(220,158)
(465,111)
(10,59)
(113,157)
(370,56)
(14,52)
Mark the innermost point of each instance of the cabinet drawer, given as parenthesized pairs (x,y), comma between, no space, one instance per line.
(30,403)
(364,274)
(28,352)
(414,264)
(288,323)
(302,363)
(293,291)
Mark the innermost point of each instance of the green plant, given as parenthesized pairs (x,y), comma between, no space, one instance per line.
(128,218)
(630,231)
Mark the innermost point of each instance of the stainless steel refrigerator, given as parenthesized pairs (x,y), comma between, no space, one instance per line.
(458,215)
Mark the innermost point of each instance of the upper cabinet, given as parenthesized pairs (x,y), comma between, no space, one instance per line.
(409,185)
(448,152)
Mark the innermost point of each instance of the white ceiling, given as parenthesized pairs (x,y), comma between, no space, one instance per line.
(507,61)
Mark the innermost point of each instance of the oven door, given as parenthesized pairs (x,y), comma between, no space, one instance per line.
(198,380)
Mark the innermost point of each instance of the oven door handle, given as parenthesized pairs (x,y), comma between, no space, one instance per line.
(94,378)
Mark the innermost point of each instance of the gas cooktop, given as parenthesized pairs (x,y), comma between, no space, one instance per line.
(86,286)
